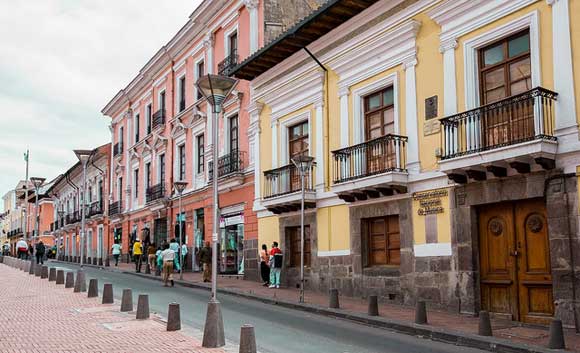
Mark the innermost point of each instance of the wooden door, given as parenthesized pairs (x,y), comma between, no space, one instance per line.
(515,261)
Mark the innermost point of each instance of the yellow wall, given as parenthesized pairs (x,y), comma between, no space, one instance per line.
(268,230)
(333,228)
(443,221)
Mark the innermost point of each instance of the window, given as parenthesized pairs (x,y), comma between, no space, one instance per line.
(234,143)
(200,72)
(233,44)
(137,127)
(382,244)
(182,93)
(379,111)
(200,154)
(100,191)
(162,168)
(136,183)
(121,133)
(148,174)
(294,239)
(162,102)
(148,116)
(90,193)
(181,155)
(298,139)
(120,189)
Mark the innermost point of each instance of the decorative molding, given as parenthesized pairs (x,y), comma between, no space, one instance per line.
(251,4)
(410,62)
(448,44)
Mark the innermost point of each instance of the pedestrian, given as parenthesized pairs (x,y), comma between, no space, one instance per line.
(137,253)
(275,265)
(30,251)
(175,247)
(21,248)
(205,259)
(151,255)
(40,249)
(265,265)
(184,252)
(116,250)
(167,256)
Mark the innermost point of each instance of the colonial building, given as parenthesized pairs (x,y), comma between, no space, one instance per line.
(445,136)
(161,132)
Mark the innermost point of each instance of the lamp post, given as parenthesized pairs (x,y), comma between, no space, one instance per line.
(303,164)
(179,186)
(215,89)
(37,182)
(60,223)
(83,156)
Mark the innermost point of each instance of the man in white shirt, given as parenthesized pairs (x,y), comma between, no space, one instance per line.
(184,255)
(22,249)
(167,256)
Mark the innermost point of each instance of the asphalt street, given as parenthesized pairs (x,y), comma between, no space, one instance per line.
(278,330)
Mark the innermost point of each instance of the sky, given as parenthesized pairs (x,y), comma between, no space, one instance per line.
(61,61)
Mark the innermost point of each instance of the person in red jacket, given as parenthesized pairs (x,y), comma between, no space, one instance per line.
(275,265)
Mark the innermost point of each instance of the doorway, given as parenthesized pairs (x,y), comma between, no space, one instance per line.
(516,279)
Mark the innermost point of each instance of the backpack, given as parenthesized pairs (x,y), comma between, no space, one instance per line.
(278,260)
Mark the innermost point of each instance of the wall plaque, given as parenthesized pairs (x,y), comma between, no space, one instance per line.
(430,201)
(431,108)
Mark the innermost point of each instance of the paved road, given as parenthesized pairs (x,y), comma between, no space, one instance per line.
(278,330)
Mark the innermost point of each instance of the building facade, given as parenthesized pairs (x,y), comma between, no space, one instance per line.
(161,133)
(445,136)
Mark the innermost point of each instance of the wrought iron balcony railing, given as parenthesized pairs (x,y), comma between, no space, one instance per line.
(286,180)
(95,208)
(115,208)
(381,155)
(520,118)
(117,149)
(155,192)
(229,62)
(228,164)
(158,118)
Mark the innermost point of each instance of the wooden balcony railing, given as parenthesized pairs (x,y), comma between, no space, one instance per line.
(155,192)
(228,164)
(158,118)
(286,180)
(229,62)
(381,155)
(520,118)
(115,208)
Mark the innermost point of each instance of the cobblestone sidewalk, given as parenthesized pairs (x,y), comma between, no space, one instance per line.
(38,316)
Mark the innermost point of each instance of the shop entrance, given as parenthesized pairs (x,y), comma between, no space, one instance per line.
(231,246)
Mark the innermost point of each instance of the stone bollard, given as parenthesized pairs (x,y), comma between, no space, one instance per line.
(101,261)
(373,306)
(108,294)
(127,300)
(66,258)
(37,270)
(147,269)
(421,313)
(52,274)
(27,267)
(484,324)
(173,317)
(556,335)
(70,280)
(157,271)
(44,272)
(31,270)
(80,282)
(93,288)
(60,277)
(107,262)
(333,299)
(247,339)
(142,307)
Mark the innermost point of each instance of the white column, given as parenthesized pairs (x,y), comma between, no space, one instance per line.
(252,6)
(565,107)
(411,118)
(128,177)
(274,144)
(319,158)
(447,48)
(111,165)
(254,131)
(208,44)
(344,127)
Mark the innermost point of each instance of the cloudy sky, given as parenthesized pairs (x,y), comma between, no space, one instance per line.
(61,61)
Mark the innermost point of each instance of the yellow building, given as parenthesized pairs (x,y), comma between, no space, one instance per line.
(446,145)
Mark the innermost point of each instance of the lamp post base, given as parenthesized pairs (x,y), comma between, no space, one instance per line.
(213,332)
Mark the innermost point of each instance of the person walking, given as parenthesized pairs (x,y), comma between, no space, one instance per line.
(137,254)
(265,265)
(275,265)
(175,248)
(40,249)
(30,251)
(167,257)
(22,249)
(116,250)
(184,252)
(205,260)
(151,256)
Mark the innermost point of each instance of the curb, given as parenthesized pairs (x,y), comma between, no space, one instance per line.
(491,344)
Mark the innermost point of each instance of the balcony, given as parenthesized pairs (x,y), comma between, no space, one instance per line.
(15,233)
(232,163)
(225,66)
(158,118)
(115,208)
(371,169)
(282,188)
(73,217)
(155,192)
(506,137)
(95,209)
(117,149)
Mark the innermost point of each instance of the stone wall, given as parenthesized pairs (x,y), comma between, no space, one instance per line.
(251,264)
(280,15)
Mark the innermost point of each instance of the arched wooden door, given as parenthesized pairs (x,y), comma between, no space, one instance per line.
(516,278)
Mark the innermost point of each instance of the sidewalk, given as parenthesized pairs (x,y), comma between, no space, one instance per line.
(512,331)
(38,316)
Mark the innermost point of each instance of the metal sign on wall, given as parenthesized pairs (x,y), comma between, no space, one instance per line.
(430,201)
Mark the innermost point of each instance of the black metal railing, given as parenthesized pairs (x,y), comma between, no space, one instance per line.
(380,155)
(95,208)
(158,118)
(225,66)
(73,217)
(15,232)
(516,119)
(115,208)
(155,192)
(286,180)
(230,163)
(117,149)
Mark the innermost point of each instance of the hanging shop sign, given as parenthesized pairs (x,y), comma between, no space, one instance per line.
(430,201)
(231,220)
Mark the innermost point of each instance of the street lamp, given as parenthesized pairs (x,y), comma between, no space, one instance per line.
(37,182)
(303,164)
(215,89)
(83,156)
(179,187)
(60,223)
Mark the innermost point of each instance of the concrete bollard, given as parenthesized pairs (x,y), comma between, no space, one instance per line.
(27,267)
(31,270)
(142,307)
(373,306)
(173,317)
(101,261)
(108,294)
(93,288)
(333,299)
(556,335)
(247,339)
(95,261)
(421,313)
(213,330)
(70,280)
(37,270)
(80,282)
(66,258)
(107,262)
(127,300)
(484,324)
(52,274)
(44,272)
(60,277)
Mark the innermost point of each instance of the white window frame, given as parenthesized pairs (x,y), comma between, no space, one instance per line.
(158,167)
(149,119)
(179,141)
(100,235)
(227,130)
(284,126)
(135,190)
(145,161)
(200,59)
(195,154)
(119,188)
(136,127)
(182,75)
(227,35)
(161,91)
